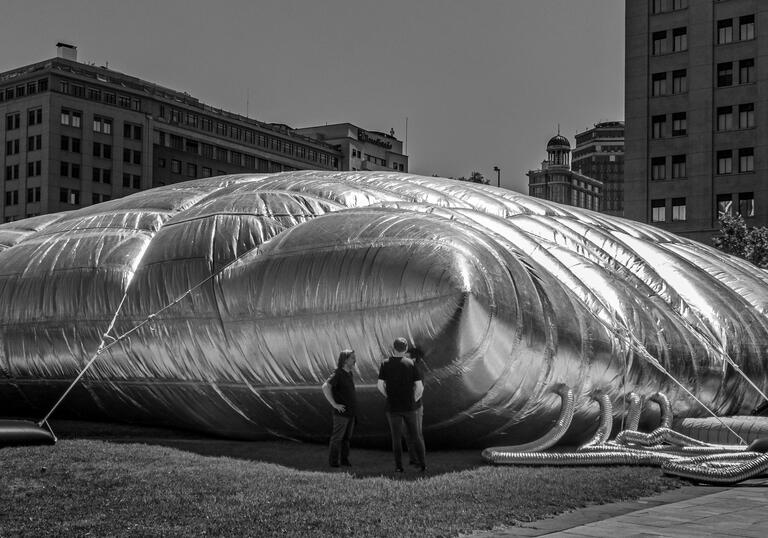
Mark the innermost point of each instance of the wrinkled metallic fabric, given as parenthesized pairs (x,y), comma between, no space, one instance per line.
(507,295)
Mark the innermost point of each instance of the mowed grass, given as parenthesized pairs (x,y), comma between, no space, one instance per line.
(176,485)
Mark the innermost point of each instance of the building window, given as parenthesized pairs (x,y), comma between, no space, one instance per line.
(746,160)
(132,131)
(34,143)
(746,116)
(131,181)
(724,162)
(102,125)
(35,116)
(11,172)
(724,31)
(206,171)
(679,39)
(97,198)
(658,208)
(724,118)
(678,166)
(658,168)
(659,42)
(679,124)
(679,81)
(33,195)
(747,204)
(12,198)
(12,121)
(191,170)
(64,143)
(747,27)
(71,118)
(34,168)
(724,74)
(661,6)
(657,126)
(746,71)
(69,196)
(724,205)
(678,209)
(659,88)
(175,166)
(12,147)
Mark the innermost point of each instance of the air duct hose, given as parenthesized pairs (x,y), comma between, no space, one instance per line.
(606,421)
(698,470)
(508,454)
(666,409)
(633,414)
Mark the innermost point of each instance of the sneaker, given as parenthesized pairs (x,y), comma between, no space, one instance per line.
(423,468)
(398,469)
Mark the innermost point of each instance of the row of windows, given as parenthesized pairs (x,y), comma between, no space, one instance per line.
(249,136)
(724,159)
(728,118)
(30,88)
(101,124)
(96,94)
(745,200)
(746,161)
(13,120)
(66,196)
(662,6)
(725,29)
(679,125)
(218,153)
(676,40)
(34,168)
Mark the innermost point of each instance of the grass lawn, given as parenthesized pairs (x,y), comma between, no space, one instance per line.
(103,480)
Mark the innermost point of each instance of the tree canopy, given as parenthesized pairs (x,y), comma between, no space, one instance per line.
(748,242)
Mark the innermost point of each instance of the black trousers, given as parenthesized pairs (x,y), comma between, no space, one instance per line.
(341,434)
(409,419)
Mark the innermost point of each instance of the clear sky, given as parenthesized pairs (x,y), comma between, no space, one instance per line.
(482,82)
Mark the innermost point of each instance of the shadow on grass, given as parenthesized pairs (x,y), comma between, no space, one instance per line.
(366,462)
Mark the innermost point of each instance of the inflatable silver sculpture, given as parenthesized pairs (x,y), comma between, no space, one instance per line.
(225,301)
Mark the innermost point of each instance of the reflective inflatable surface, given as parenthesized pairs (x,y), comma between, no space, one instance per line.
(510,298)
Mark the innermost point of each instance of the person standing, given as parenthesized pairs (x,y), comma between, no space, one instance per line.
(401,384)
(416,356)
(339,390)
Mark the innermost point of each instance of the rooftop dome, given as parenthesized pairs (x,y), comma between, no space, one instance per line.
(558,141)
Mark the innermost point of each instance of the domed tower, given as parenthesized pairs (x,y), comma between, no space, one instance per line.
(559,151)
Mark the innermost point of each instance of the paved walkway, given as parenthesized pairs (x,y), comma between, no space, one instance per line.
(692,511)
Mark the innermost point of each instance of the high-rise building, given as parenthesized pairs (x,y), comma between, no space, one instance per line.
(696,113)
(557,182)
(599,153)
(75,134)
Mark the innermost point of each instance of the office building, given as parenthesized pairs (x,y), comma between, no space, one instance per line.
(599,154)
(361,149)
(696,113)
(557,182)
(76,134)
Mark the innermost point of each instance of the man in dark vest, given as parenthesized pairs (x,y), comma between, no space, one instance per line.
(400,382)
(339,390)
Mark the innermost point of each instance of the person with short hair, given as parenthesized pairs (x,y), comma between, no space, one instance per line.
(339,390)
(400,382)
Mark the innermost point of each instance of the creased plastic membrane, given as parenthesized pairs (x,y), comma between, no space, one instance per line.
(508,296)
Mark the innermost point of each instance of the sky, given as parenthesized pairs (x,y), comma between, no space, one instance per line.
(472,83)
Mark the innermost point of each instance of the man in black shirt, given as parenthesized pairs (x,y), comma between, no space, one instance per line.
(339,390)
(400,382)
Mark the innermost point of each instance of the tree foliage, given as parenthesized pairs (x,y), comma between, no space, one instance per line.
(475,177)
(750,243)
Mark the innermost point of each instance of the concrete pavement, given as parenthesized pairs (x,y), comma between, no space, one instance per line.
(692,511)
